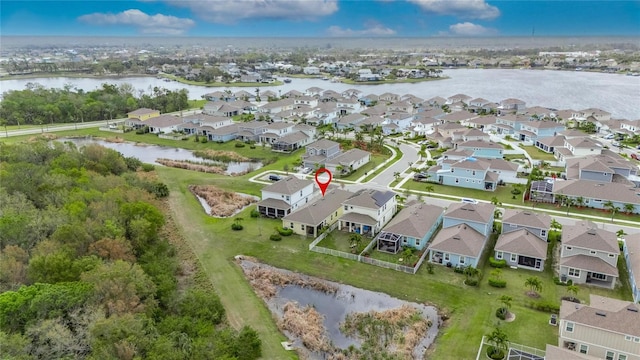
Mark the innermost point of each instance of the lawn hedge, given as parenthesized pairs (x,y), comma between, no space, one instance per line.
(497,263)
(498,283)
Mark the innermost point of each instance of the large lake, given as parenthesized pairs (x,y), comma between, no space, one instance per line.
(615,93)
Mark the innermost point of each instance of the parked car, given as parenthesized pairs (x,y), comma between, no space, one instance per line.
(469,201)
(635,157)
(273,177)
(306,170)
(615,143)
(609,136)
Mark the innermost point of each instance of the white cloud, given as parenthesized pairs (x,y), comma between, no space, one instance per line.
(471,9)
(470,29)
(146,24)
(371,28)
(231,11)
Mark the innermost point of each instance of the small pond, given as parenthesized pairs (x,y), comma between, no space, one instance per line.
(150,153)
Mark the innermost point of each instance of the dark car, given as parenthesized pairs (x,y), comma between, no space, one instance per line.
(275,177)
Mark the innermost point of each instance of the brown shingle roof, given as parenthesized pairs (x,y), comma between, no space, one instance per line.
(594,190)
(415,220)
(614,314)
(522,242)
(481,212)
(589,263)
(586,234)
(315,212)
(460,239)
(372,199)
(526,218)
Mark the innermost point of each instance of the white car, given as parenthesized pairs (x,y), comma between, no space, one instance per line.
(306,170)
(609,136)
(469,201)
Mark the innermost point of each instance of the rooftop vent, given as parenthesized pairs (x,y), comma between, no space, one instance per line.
(456,237)
(633,309)
(591,232)
(599,313)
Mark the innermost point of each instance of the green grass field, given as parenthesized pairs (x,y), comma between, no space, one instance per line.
(471,309)
(503,193)
(538,154)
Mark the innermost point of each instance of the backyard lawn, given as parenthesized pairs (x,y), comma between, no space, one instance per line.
(503,193)
(538,154)
(471,309)
(376,160)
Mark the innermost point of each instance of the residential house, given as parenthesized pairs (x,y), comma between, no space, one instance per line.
(377,110)
(478,216)
(274,131)
(314,91)
(423,126)
(521,248)
(482,122)
(322,212)
(530,131)
(605,329)
(580,146)
(163,124)
(550,144)
(143,114)
(538,113)
(536,223)
(605,167)
(291,142)
(222,134)
(465,230)
(347,106)
(286,196)
(467,173)
(221,108)
(599,195)
(348,161)
(318,152)
(388,98)
(460,117)
(589,255)
(311,70)
(412,227)
(351,121)
(368,211)
(368,100)
(482,149)
(471,134)
(218,96)
(459,98)
(251,130)
(402,121)
(401,107)
(511,105)
(436,101)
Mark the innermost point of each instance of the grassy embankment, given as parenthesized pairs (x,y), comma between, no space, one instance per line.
(219,84)
(396,81)
(472,309)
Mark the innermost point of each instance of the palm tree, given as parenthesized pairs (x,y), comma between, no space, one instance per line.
(355,240)
(580,201)
(497,213)
(629,208)
(620,234)
(495,201)
(339,169)
(534,284)
(612,207)
(396,175)
(429,188)
(573,290)
(470,273)
(570,202)
(500,343)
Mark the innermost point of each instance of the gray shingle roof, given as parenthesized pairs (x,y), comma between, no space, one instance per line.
(586,235)
(481,212)
(318,210)
(617,314)
(288,185)
(460,239)
(526,218)
(372,199)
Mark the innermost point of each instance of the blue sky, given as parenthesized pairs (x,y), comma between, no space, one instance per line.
(320,18)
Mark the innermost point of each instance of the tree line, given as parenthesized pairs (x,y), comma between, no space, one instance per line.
(87,270)
(37,105)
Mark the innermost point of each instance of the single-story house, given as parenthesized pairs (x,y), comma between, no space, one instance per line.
(412,227)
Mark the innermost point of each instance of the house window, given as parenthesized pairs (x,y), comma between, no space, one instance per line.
(302,226)
(598,276)
(462,260)
(514,257)
(287,198)
(291,226)
(446,257)
(610,355)
(473,172)
(584,349)
(346,207)
(636,339)
(417,242)
(457,180)
(451,169)
(628,337)
(568,248)
(612,255)
(593,252)
(467,180)
(404,239)
(574,272)
(543,233)
(622,357)
(569,326)
(499,255)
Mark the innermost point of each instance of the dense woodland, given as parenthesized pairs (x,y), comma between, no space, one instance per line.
(87,270)
(38,105)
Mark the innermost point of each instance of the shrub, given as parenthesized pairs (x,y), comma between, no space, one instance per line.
(239,145)
(497,263)
(543,306)
(516,191)
(458,269)
(275,237)
(557,281)
(252,146)
(501,313)
(284,232)
(495,355)
(498,283)
(471,282)
(236,227)
(148,167)
(204,140)
(255,213)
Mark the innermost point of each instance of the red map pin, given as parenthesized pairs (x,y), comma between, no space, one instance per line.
(321,185)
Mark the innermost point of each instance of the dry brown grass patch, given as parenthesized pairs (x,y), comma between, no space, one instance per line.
(181,164)
(266,281)
(223,203)
(221,154)
(307,325)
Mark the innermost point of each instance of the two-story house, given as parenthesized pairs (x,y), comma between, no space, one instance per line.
(396,123)
(523,241)
(482,149)
(468,173)
(351,121)
(589,255)
(412,227)
(511,105)
(251,131)
(143,114)
(318,152)
(163,124)
(322,212)
(530,131)
(275,131)
(465,230)
(368,211)
(347,106)
(605,329)
(286,196)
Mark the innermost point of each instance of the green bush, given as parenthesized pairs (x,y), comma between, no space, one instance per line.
(498,283)
(255,213)
(204,140)
(458,269)
(236,227)
(471,282)
(495,355)
(497,263)
(275,237)
(284,232)
(148,167)
(543,306)
(239,144)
